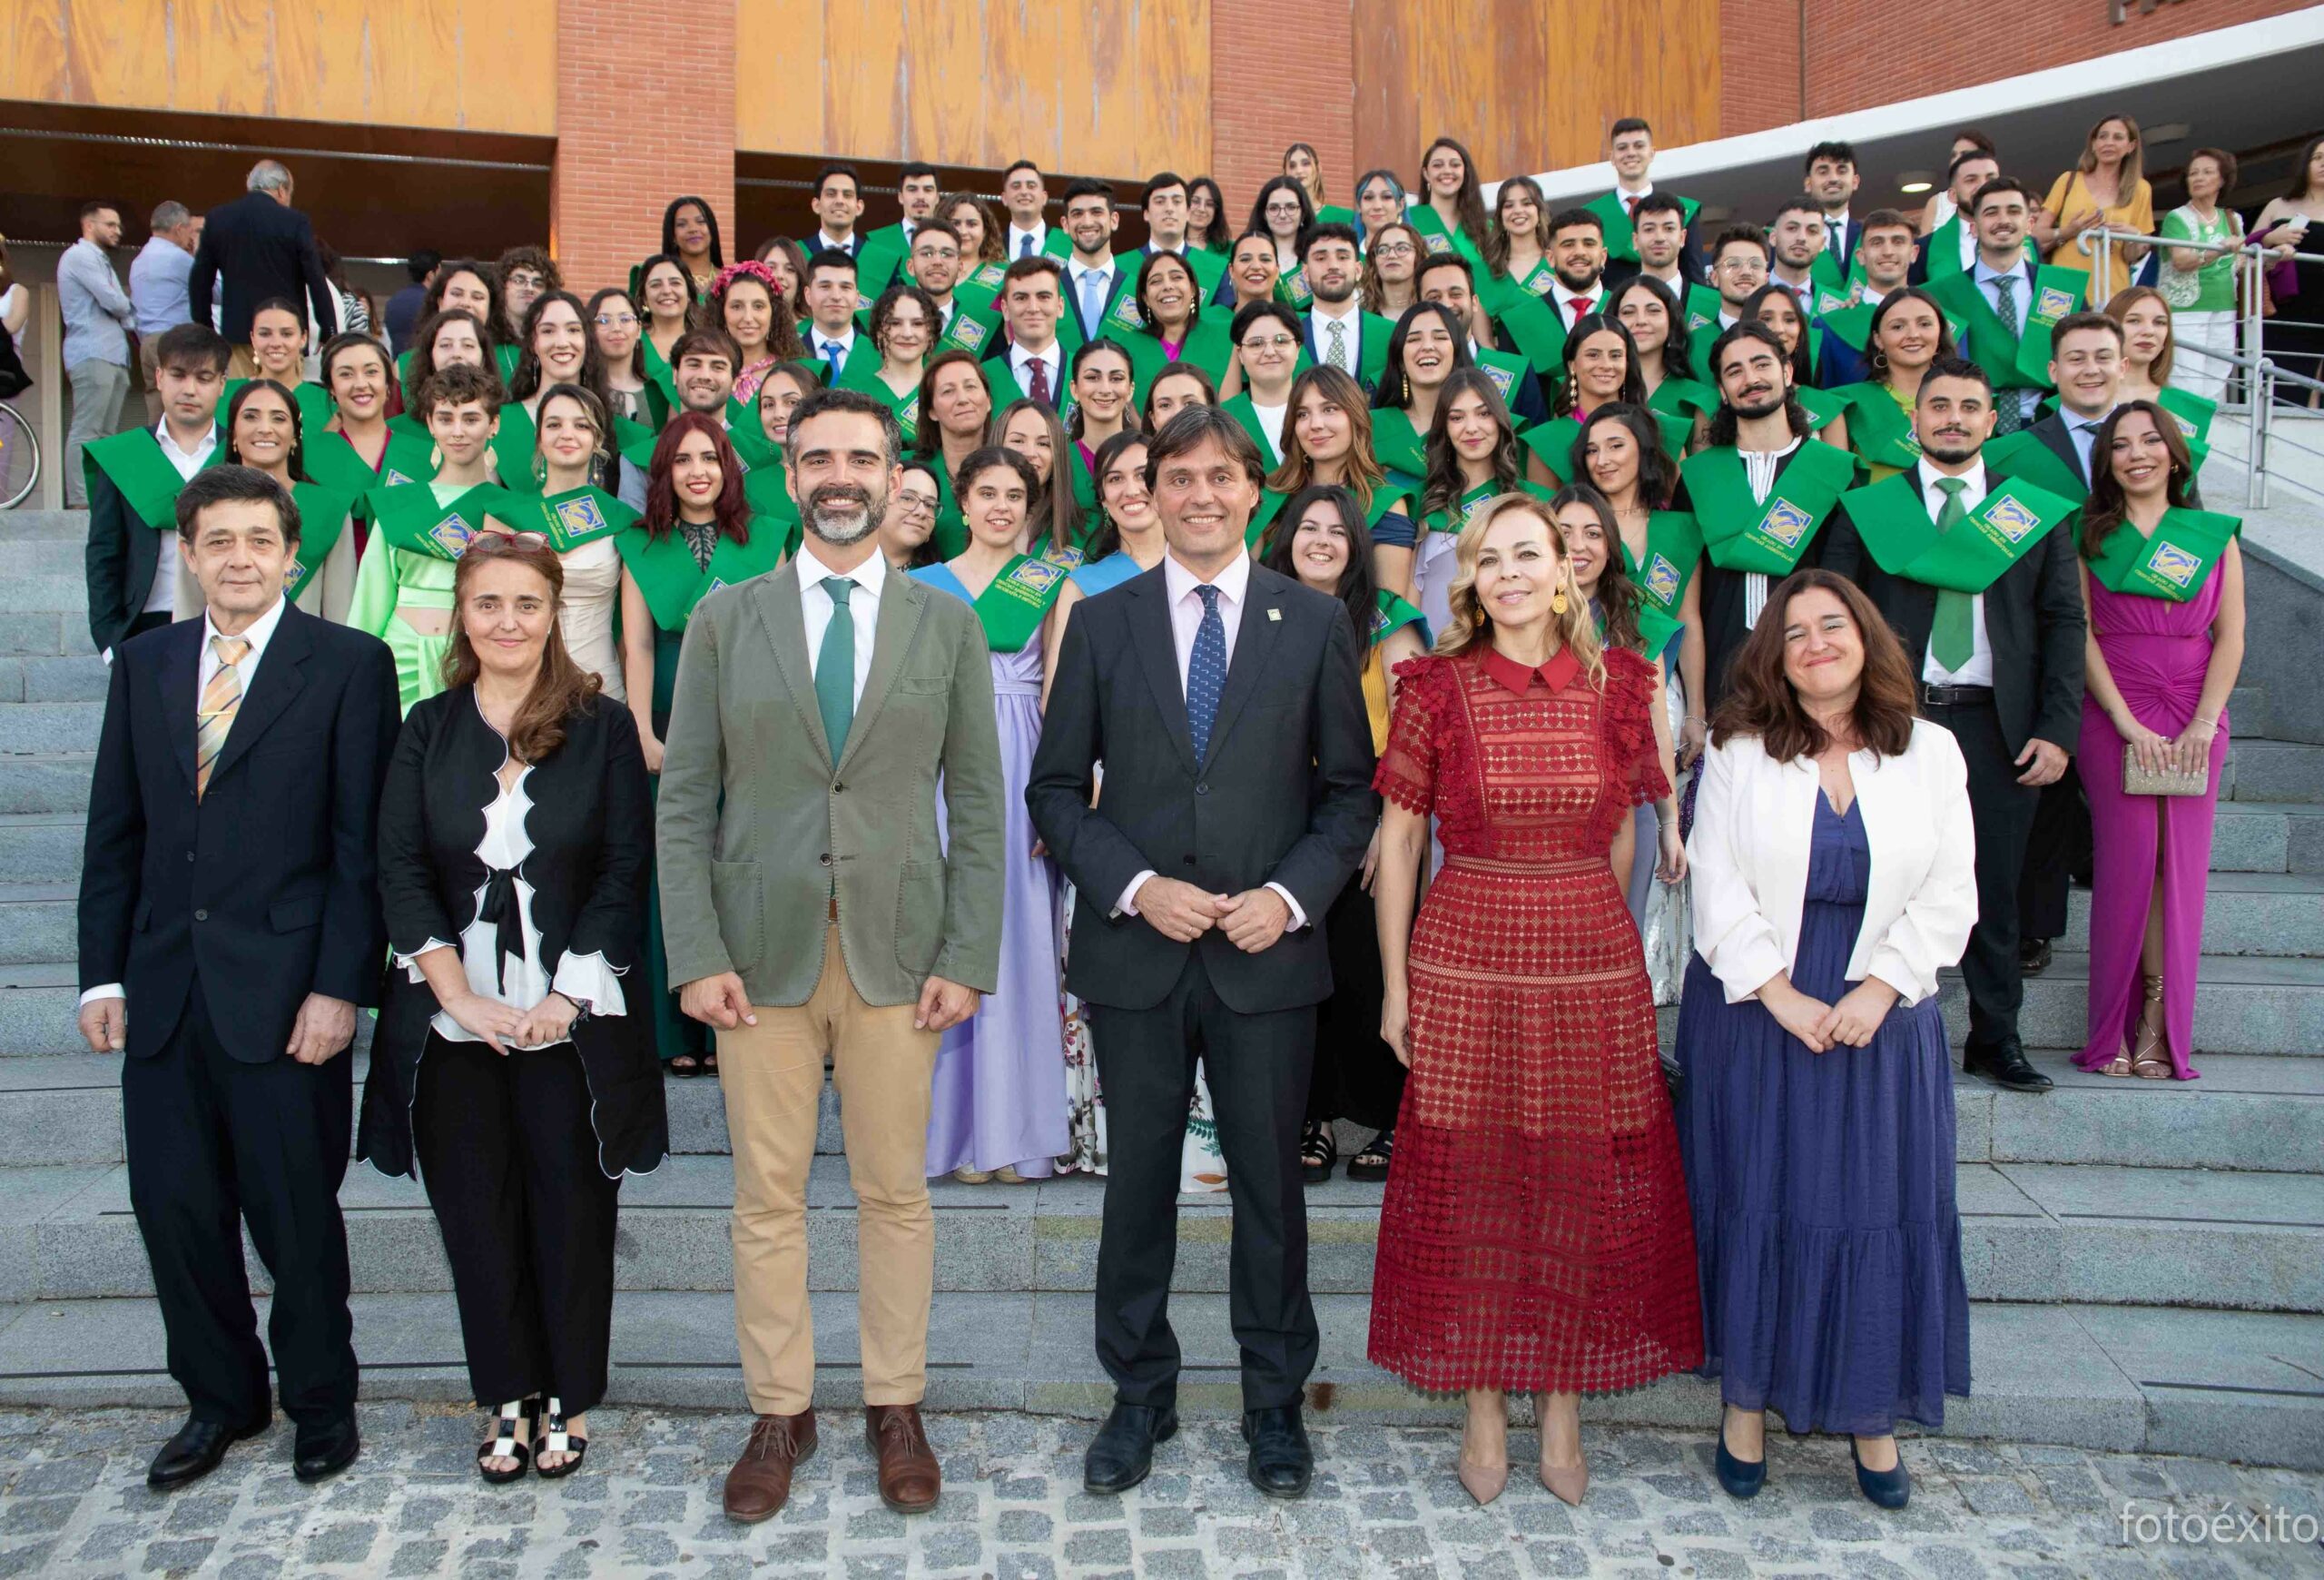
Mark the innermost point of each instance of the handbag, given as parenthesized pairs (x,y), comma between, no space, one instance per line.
(14,379)
(2138,781)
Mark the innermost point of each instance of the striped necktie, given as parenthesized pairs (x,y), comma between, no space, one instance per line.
(215,717)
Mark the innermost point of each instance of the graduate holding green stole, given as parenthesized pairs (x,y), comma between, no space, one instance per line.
(999,1101)
(1907,333)
(2007,303)
(1472,458)
(278,346)
(265,430)
(956,404)
(1452,218)
(1327,442)
(2164,587)
(1160,321)
(1651,311)
(403,588)
(695,535)
(136,580)
(1970,570)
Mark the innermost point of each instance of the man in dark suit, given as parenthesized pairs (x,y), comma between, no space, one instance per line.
(1339,334)
(1226,704)
(228,893)
(132,560)
(1999,664)
(265,248)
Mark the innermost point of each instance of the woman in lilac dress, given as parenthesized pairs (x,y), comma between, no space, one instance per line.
(999,1103)
(2164,587)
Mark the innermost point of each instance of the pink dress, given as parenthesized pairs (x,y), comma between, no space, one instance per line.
(2157,652)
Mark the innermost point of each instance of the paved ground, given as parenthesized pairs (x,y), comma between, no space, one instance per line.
(1385,1503)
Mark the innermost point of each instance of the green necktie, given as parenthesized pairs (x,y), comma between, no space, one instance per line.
(835,668)
(1953,637)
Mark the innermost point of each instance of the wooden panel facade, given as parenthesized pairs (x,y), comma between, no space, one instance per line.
(1099,91)
(478,65)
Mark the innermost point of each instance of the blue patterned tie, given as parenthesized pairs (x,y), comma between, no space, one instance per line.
(1205,672)
(1093,301)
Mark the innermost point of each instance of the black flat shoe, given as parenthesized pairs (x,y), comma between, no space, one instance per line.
(503,1443)
(1122,1454)
(682,1066)
(326,1450)
(1885,1488)
(2033,956)
(1372,1162)
(553,1439)
(1740,1478)
(1317,1151)
(2006,1065)
(1280,1463)
(196,1450)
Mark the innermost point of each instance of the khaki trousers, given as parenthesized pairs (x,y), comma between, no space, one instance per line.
(773,1075)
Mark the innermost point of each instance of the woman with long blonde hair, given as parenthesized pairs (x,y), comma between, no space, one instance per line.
(1519,1001)
(2106,190)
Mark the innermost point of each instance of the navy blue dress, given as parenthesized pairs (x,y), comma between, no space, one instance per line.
(1828,1241)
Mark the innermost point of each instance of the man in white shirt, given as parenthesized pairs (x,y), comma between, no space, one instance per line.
(1335,317)
(1092,277)
(1971,170)
(1631,151)
(1026,197)
(702,365)
(2004,277)
(1031,304)
(1797,239)
(1888,247)
(136,579)
(838,204)
(1659,233)
(831,298)
(1165,213)
(936,266)
(1740,261)
(1576,248)
(1831,179)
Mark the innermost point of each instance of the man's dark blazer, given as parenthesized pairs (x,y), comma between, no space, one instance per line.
(2033,622)
(264,249)
(1286,795)
(1722,599)
(121,557)
(266,889)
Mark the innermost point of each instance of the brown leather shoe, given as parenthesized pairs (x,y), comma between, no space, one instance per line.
(910,1482)
(759,1484)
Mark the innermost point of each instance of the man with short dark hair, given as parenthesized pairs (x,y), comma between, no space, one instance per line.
(1952,244)
(1830,175)
(703,366)
(229,927)
(935,268)
(1740,259)
(1797,237)
(2009,302)
(1165,201)
(1238,804)
(1972,573)
(832,297)
(1659,234)
(265,249)
(401,312)
(98,316)
(1884,259)
(1339,334)
(1032,304)
(1092,277)
(889,248)
(837,203)
(1026,196)
(132,483)
(1631,149)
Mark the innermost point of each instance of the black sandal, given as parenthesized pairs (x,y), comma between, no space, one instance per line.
(553,1438)
(1317,1151)
(710,1062)
(684,1066)
(503,1444)
(1372,1162)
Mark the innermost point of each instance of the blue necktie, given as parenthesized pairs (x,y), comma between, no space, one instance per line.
(1093,301)
(831,355)
(1025,245)
(1205,672)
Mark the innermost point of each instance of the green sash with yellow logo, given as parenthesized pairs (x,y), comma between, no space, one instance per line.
(412,520)
(581,516)
(1396,445)
(673,583)
(1013,604)
(1903,539)
(1271,505)
(1553,440)
(1879,429)
(2172,562)
(1740,533)
(333,462)
(1436,238)
(1392,613)
(1472,501)
(1674,546)
(2020,360)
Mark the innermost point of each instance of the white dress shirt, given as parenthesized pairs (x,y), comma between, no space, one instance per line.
(825,240)
(1270,419)
(1349,317)
(1016,239)
(162,597)
(258,634)
(1564,300)
(1234,585)
(819,343)
(1978,669)
(1759,468)
(1052,356)
(2083,431)
(816,606)
(1835,234)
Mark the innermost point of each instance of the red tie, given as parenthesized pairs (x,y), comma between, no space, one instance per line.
(1582,304)
(1633,202)
(1040,370)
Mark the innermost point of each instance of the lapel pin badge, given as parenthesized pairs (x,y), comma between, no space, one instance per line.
(1274,614)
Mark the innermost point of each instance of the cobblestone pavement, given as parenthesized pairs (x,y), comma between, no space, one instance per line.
(1385,1503)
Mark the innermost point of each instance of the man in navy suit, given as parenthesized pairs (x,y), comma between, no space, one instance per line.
(265,248)
(1831,179)
(229,926)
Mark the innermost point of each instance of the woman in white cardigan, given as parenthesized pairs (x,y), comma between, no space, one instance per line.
(1833,877)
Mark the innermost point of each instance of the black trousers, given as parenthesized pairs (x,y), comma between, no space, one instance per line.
(1259,1067)
(213,1144)
(509,1160)
(2057,851)
(1357,1076)
(2002,812)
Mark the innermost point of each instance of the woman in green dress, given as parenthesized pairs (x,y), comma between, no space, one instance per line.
(1665,345)
(955,414)
(697,533)
(1056,527)
(1428,345)
(1168,323)
(1907,334)
(1207,223)
(351,452)
(454,338)
(2150,369)
(1515,256)
(265,430)
(619,334)
(1773,304)
(1453,217)
(403,588)
(1600,368)
(1306,166)
(669,313)
(902,325)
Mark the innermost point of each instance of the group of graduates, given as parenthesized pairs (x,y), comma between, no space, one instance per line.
(1987,441)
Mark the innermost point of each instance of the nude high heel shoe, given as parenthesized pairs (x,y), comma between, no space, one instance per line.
(2151,1054)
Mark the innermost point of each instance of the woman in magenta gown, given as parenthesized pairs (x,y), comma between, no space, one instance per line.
(2164,586)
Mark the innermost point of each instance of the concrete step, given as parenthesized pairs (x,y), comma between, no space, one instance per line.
(41,847)
(2263,770)
(2279,914)
(2244,1003)
(38,922)
(48,782)
(2031,1231)
(2222,1385)
(2264,836)
(49,557)
(45,727)
(37,634)
(2247,710)
(43,526)
(59,591)
(38,1001)
(80,678)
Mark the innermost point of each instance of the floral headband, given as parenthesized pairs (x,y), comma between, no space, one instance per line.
(748,268)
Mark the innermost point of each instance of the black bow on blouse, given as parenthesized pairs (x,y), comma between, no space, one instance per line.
(500,908)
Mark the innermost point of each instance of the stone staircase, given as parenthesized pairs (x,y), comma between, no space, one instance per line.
(2146,1259)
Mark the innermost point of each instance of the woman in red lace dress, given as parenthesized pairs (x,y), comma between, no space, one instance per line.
(1535,1236)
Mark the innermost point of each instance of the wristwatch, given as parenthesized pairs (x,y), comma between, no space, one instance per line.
(580,1010)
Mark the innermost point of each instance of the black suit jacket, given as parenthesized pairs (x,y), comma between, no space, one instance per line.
(592,831)
(2034,621)
(123,554)
(264,249)
(1723,595)
(1285,796)
(265,890)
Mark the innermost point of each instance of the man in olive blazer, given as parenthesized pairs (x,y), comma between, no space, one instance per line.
(810,910)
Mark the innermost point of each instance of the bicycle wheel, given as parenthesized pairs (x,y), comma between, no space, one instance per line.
(19,458)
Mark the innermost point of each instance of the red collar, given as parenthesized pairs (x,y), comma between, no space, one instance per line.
(1518,678)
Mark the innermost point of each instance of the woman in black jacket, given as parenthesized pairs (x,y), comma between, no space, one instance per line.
(514,839)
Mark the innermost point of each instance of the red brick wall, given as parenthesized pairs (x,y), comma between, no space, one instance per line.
(1758,49)
(622,154)
(1282,71)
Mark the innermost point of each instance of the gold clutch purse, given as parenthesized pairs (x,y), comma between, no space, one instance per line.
(2138,781)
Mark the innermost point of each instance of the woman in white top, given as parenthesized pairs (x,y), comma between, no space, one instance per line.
(1832,862)
(514,835)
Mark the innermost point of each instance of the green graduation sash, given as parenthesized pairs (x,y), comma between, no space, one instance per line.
(334,463)
(581,516)
(322,517)
(1703,307)
(2192,413)
(1852,325)
(1392,613)
(412,520)
(1396,445)
(315,407)
(1242,410)
(1423,217)
(1674,546)
(1740,533)
(1683,398)
(1469,502)
(411,454)
(975,331)
(1271,504)
(1207,346)
(1615,215)
(1534,327)
(1012,605)
(2020,362)
(1208,267)
(1903,541)
(1941,249)
(147,480)
(512,451)
(1553,440)
(1879,429)
(1505,369)
(752,448)
(978,288)
(768,490)
(1821,406)
(2023,455)
(673,583)
(905,406)
(879,260)
(1292,288)
(2172,562)
(1655,630)
(1335,214)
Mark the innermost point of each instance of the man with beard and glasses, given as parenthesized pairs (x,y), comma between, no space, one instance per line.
(813,911)
(1967,565)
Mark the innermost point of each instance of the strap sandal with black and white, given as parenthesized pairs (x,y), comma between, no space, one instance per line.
(1372,1160)
(506,1444)
(554,1439)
